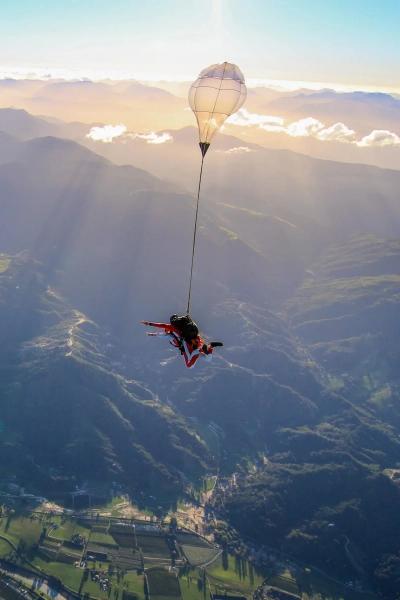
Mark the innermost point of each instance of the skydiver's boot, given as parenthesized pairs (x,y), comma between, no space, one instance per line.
(216,344)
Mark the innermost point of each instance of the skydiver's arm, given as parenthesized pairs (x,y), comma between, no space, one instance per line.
(166,326)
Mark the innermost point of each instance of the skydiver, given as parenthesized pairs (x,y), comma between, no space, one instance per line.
(184,335)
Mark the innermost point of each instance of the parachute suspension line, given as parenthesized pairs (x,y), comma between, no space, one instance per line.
(203,153)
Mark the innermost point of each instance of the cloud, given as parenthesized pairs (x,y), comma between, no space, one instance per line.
(379,138)
(152,137)
(339,132)
(106,133)
(308,127)
(247,119)
(313,128)
(239,150)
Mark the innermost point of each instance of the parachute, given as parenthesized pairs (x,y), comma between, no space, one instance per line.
(217,93)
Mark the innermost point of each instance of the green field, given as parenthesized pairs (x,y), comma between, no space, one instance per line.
(224,574)
(190,539)
(134,583)
(198,555)
(21,528)
(69,575)
(5,548)
(69,528)
(131,582)
(190,587)
(163,584)
(153,545)
(97,537)
(233,575)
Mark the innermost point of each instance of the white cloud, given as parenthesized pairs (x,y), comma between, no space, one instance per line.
(106,133)
(310,127)
(247,119)
(379,138)
(239,150)
(152,137)
(339,132)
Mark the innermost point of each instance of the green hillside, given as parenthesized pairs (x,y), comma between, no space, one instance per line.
(66,411)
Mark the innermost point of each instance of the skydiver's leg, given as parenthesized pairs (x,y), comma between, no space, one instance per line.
(188,354)
(154,334)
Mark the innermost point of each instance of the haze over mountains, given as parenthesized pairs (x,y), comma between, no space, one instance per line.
(297,271)
(346,126)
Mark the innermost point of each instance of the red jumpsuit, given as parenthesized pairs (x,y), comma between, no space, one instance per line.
(191,351)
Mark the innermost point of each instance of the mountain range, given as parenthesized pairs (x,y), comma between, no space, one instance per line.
(145,108)
(296,270)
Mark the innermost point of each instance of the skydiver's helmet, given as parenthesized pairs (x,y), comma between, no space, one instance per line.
(186,326)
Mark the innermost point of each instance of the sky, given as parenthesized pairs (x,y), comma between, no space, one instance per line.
(348,43)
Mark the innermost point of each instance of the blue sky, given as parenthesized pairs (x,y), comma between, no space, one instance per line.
(348,42)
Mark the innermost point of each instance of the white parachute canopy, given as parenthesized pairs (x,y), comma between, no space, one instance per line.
(218,92)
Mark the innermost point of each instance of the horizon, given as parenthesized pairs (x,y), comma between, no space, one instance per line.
(283,85)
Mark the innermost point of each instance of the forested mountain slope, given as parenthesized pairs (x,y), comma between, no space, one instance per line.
(67,413)
(306,387)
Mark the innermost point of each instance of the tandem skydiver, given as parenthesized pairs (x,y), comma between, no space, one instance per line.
(184,335)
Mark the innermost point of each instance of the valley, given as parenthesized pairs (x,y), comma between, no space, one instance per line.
(61,554)
(298,274)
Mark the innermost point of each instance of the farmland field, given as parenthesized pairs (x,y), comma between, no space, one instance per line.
(190,589)
(5,548)
(125,558)
(234,574)
(131,583)
(91,547)
(198,555)
(100,528)
(69,575)
(22,528)
(69,555)
(134,583)
(190,539)
(102,538)
(68,529)
(153,545)
(127,540)
(163,584)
